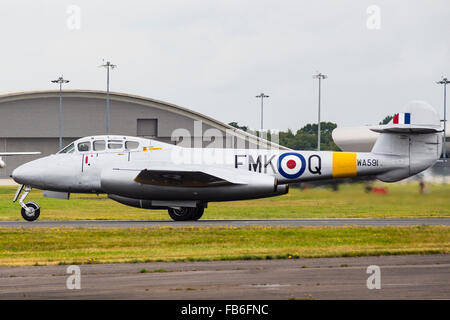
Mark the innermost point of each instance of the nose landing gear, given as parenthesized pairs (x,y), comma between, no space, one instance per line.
(30,211)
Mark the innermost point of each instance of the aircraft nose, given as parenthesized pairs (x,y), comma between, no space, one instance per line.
(44,173)
(22,174)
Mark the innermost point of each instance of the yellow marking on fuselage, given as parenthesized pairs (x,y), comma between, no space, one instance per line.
(144,149)
(344,164)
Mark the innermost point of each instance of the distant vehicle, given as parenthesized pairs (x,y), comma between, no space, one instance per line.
(149,174)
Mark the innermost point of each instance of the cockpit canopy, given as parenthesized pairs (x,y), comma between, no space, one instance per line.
(98,144)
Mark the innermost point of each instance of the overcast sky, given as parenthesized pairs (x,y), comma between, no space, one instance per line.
(215,56)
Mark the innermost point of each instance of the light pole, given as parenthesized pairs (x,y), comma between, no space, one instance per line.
(262,96)
(444,81)
(60,80)
(321,77)
(108,65)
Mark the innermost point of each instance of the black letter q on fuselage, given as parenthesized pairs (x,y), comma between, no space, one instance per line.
(315,167)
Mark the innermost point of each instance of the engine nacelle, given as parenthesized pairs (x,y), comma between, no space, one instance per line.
(122,183)
(137,203)
(2,163)
(155,204)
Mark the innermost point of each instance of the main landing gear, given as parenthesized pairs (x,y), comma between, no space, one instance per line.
(30,211)
(186,214)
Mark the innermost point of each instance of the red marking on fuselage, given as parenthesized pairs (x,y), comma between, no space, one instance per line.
(291,164)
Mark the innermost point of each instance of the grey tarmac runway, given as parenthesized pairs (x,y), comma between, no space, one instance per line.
(223,223)
(402,277)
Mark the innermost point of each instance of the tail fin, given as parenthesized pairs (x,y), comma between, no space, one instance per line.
(415,136)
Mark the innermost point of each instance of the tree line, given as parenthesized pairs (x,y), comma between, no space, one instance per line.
(306,137)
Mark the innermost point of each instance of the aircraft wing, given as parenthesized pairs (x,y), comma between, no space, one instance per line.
(5,154)
(189,176)
(180,178)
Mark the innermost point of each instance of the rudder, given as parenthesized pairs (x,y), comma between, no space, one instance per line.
(415,136)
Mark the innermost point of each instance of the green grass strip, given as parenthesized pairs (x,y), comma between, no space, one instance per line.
(77,245)
(351,201)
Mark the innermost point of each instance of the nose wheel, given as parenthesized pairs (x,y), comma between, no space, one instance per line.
(30,211)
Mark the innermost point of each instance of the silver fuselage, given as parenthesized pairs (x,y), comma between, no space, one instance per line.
(254,173)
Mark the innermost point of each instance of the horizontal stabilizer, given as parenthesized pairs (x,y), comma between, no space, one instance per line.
(412,139)
(418,118)
(407,128)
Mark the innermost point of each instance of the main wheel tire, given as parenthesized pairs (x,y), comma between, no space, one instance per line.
(198,213)
(181,214)
(34,214)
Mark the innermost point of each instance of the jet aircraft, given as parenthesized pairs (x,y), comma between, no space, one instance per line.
(148,174)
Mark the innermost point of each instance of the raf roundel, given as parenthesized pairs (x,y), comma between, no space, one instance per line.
(291,165)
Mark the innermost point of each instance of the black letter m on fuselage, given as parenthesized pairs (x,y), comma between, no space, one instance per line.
(255,165)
